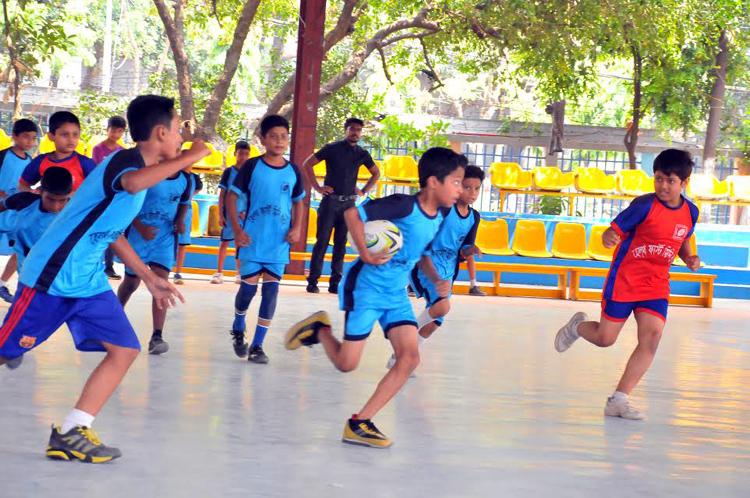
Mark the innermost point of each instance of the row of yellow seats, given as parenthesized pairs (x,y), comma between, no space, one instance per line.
(530,240)
(708,187)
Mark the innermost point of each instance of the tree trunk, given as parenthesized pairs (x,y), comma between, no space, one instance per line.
(717,103)
(232,60)
(631,135)
(175,32)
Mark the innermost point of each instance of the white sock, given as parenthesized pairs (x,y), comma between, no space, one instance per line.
(74,418)
(421,340)
(619,395)
(424,319)
(3,283)
(473,282)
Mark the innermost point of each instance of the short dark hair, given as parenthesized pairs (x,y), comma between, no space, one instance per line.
(241,145)
(352,121)
(272,121)
(23,126)
(60,118)
(472,171)
(438,162)
(117,122)
(57,181)
(146,112)
(676,161)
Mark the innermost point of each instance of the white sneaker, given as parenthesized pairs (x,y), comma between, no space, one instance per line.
(237,279)
(567,335)
(218,278)
(621,408)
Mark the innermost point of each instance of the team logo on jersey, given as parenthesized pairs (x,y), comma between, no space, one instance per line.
(27,342)
(680,232)
(285,187)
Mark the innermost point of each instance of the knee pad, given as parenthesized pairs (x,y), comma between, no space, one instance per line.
(269,291)
(244,296)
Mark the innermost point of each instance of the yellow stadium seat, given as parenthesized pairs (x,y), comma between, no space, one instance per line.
(569,241)
(596,248)
(492,238)
(214,228)
(509,176)
(312,226)
(707,187)
(232,160)
(212,162)
(401,169)
(551,178)
(5,140)
(362,175)
(634,182)
(48,146)
(195,223)
(530,239)
(693,248)
(739,188)
(320,169)
(594,181)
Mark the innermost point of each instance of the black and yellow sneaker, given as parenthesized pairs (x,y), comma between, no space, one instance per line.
(79,443)
(364,433)
(305,333)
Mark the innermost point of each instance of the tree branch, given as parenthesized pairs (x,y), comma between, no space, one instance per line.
(385,65)
(174,29)
(438,82)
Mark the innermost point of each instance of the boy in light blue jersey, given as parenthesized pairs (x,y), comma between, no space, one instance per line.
(25,216)
(13,161)
(63,282)
(153,236)
(185,238)
(273,216)
(375,287)
(452,244)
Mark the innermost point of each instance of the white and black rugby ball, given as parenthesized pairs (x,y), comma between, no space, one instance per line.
(380,235)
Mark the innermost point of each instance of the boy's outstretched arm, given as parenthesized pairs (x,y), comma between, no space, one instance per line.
(143,178)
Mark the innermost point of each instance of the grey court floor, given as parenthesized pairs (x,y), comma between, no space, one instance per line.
(494,410)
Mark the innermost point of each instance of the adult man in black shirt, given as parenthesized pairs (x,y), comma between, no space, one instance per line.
(339,191)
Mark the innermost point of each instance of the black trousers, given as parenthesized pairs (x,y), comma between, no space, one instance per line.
(330,217)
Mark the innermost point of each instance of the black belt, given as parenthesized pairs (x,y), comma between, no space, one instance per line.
(343,198)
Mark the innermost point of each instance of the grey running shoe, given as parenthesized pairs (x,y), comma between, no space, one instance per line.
(79,443)
(567,335)
(157,345)
(256,355)
(476,291)
(621,408)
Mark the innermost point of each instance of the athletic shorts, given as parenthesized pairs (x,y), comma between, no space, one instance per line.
(34,316)
(423,287)
(226,233)
(359,322)
(252,268)
(617,311)
(158,252)
(184,239)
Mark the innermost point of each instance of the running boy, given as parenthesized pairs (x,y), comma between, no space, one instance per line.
(62,279)
(375,287)
(241,154)
(13,161)
(153,237)
(65,132)
(273,216)
(452,244)
(649,234)
(115,130)
(184,239)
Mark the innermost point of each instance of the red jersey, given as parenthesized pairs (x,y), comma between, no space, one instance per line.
(78,165)
(652,234)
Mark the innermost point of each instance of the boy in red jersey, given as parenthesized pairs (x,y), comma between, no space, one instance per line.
(649,235)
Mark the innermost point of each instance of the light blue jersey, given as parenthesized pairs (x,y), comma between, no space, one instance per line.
(226,182)
(456,232)
(162,200)
(24,221)
(67,260)
(384,286)
(11,169)
(270,191)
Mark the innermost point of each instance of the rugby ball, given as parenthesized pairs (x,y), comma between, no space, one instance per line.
(380,235)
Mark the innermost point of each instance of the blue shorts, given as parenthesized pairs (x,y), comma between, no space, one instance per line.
(359,322)
(252,268)
(616,311)
(159,251)
(227,234)
(34,316)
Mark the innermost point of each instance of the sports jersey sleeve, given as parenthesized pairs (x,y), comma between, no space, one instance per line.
(87,165)
(3,154)
(471,237)
(633,215)
(120,163)
(368,161)
(31,175)
(298,191)
(21,200)
(224,182)
(694,215)
(393,207)
(188,192)
(324,153)
(241,183)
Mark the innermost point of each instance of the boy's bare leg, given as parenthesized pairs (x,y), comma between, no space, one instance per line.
(159,315)
(345,355)
(127,287)
(10,268)
(180,258)
(650,330)
(603,333)
(105,378)
(223,246)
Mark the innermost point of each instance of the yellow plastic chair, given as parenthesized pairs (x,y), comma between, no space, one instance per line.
(214,228)
(312,227)
(232,160)
(362,175)
(739,188)
(320,169)
(195,223)
(707,187)
(401,169)
(492,238)
(5,140)
(569,241)
(634,182)
(693,248)
(212,162)
(596,248)
(509,176)
(594,181)
(48,146)
(530,239)
(551,178)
